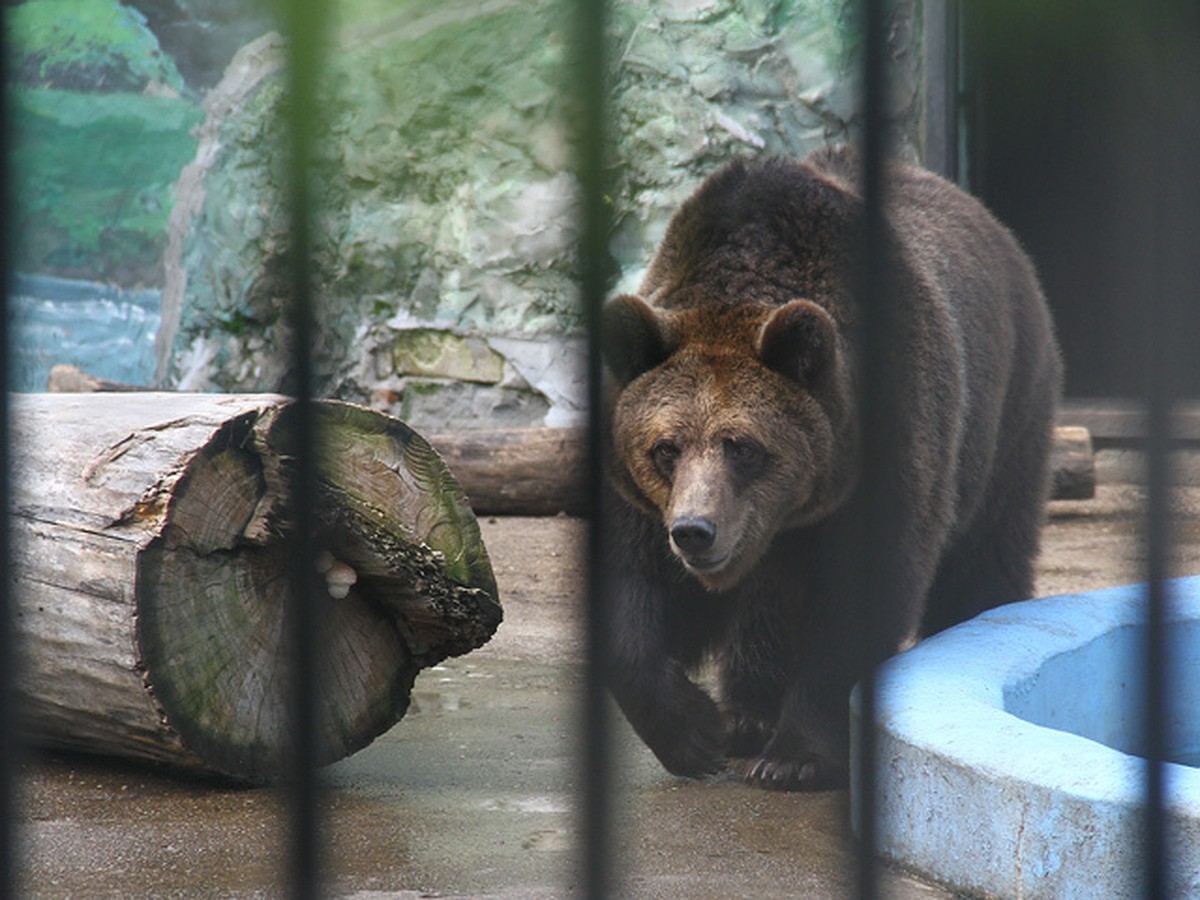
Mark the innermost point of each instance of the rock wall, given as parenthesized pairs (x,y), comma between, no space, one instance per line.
(444,263)
(202,35)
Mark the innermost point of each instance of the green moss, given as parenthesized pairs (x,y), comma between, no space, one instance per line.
(424,388)
(99,135)
(237,323)
(381,309)
(93,176)
(97,45)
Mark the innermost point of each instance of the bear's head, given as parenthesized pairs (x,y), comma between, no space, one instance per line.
(732,423)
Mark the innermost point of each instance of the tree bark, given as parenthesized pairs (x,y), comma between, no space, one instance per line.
(151,579)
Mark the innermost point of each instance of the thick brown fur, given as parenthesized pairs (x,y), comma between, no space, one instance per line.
(735,456)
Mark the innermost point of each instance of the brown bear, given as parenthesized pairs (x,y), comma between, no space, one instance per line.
(735,453)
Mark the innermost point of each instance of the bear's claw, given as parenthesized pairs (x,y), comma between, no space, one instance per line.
(809,773)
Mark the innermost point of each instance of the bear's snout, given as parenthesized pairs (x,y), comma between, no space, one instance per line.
(694,535)
(704,519)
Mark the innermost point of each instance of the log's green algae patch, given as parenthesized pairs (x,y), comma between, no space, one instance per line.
(444,526)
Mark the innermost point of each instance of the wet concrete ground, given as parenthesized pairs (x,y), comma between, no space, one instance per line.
(471,794)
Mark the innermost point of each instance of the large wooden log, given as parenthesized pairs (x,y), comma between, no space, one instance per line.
(151,577)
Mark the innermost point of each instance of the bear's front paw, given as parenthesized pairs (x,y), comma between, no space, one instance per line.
(695,755)
(808,772)
(678,721)
(692,744)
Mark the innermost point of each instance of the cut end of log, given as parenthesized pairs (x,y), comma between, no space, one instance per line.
(400,547)
(1072,464)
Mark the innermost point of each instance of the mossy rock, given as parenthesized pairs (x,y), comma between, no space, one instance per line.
(93,181)
(87,45)
(100,132)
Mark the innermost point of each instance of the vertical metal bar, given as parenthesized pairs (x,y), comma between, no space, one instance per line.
(940,60)
(1158,427)
(963,100)
(877,315)
(304,22)
(972,102)
(1171,53)
(591,85)
(8,711)
(1157,538)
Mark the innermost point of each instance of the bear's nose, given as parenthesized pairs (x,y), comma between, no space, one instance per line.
(693,534)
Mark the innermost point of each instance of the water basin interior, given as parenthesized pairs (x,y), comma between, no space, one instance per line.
(1012,744)
(1098,691)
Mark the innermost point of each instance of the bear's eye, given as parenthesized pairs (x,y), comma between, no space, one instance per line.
(665,453)
(747,457)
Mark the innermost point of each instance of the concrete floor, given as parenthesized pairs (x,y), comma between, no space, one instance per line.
(471,795)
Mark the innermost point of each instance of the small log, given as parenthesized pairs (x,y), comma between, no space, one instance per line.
(1072,464)
(151,575)
(64,379)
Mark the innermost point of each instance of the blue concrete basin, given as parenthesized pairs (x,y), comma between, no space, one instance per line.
(1008,748)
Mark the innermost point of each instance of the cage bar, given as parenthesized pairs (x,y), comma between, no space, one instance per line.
(1169,53)
(305,25)
(877,413)
(8,666)
(595,758)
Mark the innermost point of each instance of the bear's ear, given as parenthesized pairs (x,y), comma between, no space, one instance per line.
(633,338)
(798,340)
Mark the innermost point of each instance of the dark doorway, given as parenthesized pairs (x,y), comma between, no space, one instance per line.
(1061,124)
